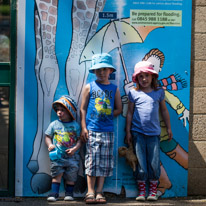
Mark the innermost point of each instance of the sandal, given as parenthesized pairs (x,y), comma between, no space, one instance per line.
(100,198)
(90,198)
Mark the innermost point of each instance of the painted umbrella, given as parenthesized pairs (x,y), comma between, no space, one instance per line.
(112,36)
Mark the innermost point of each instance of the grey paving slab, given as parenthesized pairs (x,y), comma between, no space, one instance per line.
(113,202)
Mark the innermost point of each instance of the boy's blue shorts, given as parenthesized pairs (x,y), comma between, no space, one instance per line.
(68,166)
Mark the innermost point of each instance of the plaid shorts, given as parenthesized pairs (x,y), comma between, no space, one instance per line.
(99,160)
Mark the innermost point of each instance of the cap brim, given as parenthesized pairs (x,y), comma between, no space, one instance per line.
(62,104)
(148,71)
(101,65)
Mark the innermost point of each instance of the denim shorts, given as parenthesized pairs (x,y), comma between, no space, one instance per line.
(68,166)
(147,150)
(99,160)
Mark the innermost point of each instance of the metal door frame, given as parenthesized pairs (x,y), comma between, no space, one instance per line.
(8,79)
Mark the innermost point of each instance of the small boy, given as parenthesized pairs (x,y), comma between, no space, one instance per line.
(62,135)
(101,101)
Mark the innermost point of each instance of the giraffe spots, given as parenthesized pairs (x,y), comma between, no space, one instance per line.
(44,15)
(74,9)
(43,6)
(100,3)
(90,3)
(54,30)
(38,43)
(86,25)
(53,10)
(76,24)
(48,28)
(52,20)
(54,2)
(81,5)
(89,15)
(80,15)
(48,36)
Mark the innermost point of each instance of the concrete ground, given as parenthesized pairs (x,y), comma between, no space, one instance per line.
(197,200)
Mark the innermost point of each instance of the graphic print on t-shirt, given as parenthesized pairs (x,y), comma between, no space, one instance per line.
(103,106)
(65,138)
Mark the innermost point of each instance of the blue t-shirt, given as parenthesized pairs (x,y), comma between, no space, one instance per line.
(146,111)
(63,134)
(100,109)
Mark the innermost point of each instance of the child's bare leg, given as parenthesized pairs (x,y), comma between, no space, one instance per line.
(99,195)
(69,183)
(91,183)
(57,179)
(100,184)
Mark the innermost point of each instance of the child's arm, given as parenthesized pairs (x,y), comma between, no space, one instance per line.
(117,104)
(71,151)
(83,112)
(166,117)
(130,112)
(48,142)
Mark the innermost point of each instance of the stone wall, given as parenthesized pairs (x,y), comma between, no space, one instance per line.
(197,137)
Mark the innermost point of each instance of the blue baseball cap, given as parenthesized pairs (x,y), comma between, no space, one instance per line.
(99,61)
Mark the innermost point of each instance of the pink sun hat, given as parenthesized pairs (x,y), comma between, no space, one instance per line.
(143,66)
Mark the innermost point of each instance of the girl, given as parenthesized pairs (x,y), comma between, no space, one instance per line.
(143,127)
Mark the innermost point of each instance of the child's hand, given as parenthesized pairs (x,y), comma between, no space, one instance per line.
(169,132)
(128,138)
(84,135)
(71,151)
(51,147)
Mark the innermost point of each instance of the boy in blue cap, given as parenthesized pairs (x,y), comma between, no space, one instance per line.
(62,139)
(101,101)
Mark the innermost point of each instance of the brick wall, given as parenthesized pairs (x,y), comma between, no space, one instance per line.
(197,137)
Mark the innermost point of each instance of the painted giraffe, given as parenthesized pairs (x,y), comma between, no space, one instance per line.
(47,75)
(85,20)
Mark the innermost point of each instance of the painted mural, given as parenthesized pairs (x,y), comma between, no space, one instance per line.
(60,38)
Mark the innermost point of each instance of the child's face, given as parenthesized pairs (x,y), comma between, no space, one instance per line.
(63,114)
(103,74)
(145,80)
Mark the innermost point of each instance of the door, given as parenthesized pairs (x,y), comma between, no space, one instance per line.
(7,96)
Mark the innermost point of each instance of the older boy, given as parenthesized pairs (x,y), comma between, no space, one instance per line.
(101,101)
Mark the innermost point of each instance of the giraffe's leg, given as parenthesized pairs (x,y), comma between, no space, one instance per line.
(85,20)
(48,77)
(33,163)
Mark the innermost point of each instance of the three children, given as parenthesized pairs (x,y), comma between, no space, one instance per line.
(101,102)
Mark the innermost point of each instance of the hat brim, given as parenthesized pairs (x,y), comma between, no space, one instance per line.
(134,76)
(63,105)
(101,65)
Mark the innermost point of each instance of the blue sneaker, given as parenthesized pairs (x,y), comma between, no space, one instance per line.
(53,197)
(68,196)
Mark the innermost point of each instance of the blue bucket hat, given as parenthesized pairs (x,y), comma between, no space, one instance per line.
(67,102)
(99,61)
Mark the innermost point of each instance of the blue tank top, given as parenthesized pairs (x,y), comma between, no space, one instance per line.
(99,116)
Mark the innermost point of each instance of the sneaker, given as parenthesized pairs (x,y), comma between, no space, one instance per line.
(152,197)
(68,196)
(140,198)
(142,191)
(53,197)
(153,191)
